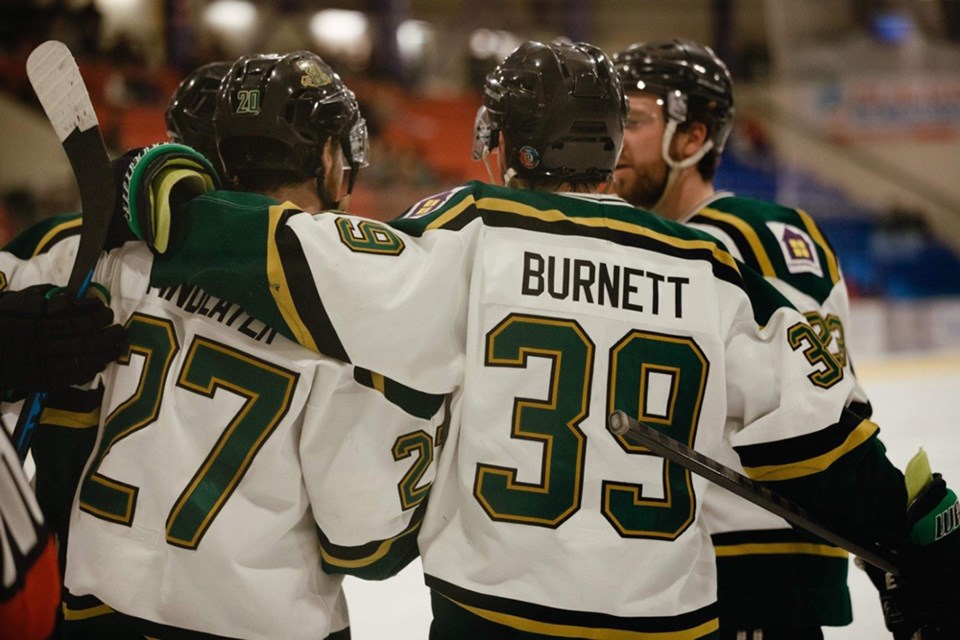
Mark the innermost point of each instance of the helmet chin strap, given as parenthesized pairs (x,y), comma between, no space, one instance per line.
(485,157)
(326,202)
(331,203)
(676,165)
(344,203)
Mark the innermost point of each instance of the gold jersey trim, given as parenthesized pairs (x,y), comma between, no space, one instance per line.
(810,466)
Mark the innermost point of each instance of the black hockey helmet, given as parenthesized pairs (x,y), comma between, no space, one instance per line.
(560,108)
(275,112)
(688,76)
(189,114)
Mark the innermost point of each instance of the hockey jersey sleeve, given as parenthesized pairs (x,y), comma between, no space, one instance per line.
(369,449)
(418,283)
(789,249)
(840,470)
(43,253)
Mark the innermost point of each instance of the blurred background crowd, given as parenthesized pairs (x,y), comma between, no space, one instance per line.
(848,109)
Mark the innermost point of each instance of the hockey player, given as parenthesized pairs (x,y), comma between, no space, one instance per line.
(47,341)
(67,431)
(232,465)
(544,306)
(774,582)
(189,115)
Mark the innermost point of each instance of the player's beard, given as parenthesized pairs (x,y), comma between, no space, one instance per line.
(642,186)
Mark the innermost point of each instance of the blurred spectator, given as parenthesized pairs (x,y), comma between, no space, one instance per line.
(18,210)
(901,234)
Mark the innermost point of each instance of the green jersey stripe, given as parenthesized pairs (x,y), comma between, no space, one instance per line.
(377,559)
(43,235)
(539,620)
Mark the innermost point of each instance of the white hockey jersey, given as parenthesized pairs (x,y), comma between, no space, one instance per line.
(769,573)
(232,467)
(543,313)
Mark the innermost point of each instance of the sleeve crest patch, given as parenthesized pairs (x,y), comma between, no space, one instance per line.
(799,250)
(430,204)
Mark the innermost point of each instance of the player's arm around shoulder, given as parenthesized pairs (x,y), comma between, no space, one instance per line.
(369,451)
(299,274)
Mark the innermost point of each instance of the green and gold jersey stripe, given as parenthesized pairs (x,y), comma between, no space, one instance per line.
(800,468)
(86,613)
(55,234)
(41,236)
(279,287)
(779,548)
(833,267)
(381,550)
(451,213)
(416,403)
(503,205)
(374,560)
(589,633)
(749,234)
(490,617)
(745,221)
(70,419)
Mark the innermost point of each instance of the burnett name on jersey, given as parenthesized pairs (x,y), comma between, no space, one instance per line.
(601,283)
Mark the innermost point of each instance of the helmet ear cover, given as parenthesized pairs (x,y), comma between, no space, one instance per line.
(560,109)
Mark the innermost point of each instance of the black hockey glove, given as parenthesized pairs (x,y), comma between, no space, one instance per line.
(49,339)
(120,232)
(923,603)
(153,181)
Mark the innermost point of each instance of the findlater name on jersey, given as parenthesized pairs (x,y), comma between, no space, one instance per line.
(193,299)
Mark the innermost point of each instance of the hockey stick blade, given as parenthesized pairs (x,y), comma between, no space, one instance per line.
(621,424)
(56,79)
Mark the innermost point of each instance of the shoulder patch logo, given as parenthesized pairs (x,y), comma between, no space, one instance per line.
(430,204)
(798,248)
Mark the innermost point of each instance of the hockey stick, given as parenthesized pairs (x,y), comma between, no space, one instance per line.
(666,447)
(58,84)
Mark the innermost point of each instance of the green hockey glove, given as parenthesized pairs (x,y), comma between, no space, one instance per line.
(923,603)
(155,182)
